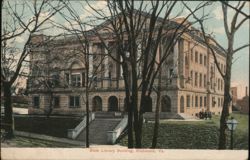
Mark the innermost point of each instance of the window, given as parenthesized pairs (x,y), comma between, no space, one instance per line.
(213,102)
(205,80)
(191,76)
(200,102)
(188,101)
(192,101)
(218,102)
(205,60)
(218,84)
(56,102)
(196,101)
(67,78)
(221,84)
(205,101)
(76,80)
(196,56)
(196,79)
(221,101)
(36,101)
(192,51)
(74,101)
(200,80)
(83,79)
(55,79)
(201,58)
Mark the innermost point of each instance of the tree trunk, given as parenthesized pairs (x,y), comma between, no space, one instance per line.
(87,116)
(128,106)
(8,116)
(156,126)
(227,97)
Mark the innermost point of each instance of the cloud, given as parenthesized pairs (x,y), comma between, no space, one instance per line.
(218,13)
(219,30)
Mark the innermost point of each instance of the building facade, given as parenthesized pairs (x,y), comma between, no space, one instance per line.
(190,79)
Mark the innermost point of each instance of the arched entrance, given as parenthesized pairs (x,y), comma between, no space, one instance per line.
(165,104)
(182,104)
(113,103)
(148,104)
(97,103)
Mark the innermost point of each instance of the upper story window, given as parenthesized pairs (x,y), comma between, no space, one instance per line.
(201,58)
(196,56)
(196,79)
(205,60)
(205,80)
(192,53)
(76,80)
(200,80)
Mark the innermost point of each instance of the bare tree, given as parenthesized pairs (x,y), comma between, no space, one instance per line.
(130,27)
(230,29)
(16,25)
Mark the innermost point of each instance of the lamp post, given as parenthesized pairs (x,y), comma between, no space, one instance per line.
(231,124)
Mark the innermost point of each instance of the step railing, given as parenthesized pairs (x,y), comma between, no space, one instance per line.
(73,133)
(114,134)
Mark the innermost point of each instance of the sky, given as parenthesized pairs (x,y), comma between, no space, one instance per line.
(214,25)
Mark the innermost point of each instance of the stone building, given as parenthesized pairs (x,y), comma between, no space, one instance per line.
(191,81)
(243,104)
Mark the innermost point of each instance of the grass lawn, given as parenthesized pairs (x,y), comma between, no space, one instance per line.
(52,126)
(193,134)
(30,142)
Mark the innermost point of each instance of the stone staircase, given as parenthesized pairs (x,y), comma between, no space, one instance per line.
(98,130)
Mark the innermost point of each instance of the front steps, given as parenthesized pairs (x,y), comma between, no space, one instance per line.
(98,129)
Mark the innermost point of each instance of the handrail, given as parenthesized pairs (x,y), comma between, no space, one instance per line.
(73,133)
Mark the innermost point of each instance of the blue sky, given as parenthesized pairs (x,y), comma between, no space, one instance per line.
(240,69)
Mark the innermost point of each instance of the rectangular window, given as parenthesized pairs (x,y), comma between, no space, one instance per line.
(218,102)
(196,56)
(83,79)
(74,101)
(191,76)
(36,101)
(196,101)
(200,80)
(205,60)
(201,58)
(76,80)
(196,79)
(67,78)
(56,102)
(205,80)
(200,102)
(213,102)
(221,85)
(218,84)
(188,101)
(205,101)
(192,51)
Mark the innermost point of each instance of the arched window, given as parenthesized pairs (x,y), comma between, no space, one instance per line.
(97,103)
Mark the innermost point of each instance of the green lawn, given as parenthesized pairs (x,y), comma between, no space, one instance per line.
(193,134)
(30,142)
(49,126)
